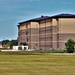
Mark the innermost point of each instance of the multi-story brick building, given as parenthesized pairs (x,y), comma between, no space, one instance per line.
(47,32)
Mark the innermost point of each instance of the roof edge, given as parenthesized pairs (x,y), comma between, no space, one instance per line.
(36,19)
(47,17)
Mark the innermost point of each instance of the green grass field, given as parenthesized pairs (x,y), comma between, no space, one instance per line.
(37,64)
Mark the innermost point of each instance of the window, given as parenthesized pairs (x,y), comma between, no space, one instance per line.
(27,39)
(24,48)
(19,33)
(50,46)
(19,48)
(26,25)
(26,32)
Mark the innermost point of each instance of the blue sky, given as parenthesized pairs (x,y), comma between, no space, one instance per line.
(14,11)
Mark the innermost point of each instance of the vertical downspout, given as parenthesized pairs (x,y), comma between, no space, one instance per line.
(45,34)
(51,37)
(30,34)
(38,34)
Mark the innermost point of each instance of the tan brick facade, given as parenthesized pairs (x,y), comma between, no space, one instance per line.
(47,33)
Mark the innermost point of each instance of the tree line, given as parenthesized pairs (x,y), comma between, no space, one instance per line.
(70,44)
(9,43)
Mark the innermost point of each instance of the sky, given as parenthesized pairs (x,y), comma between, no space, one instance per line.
(14,11)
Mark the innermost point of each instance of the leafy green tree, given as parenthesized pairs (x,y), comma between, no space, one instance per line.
(70,46)
(12,43)
(4,42)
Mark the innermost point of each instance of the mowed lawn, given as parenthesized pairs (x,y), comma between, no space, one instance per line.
(42,64)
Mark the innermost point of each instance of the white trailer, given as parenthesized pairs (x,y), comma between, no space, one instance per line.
(20,48)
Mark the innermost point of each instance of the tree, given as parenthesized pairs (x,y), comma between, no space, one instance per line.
(12,43)
(70,46)
(4,42)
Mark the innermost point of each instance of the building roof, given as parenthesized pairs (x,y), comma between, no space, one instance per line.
(46,17)
(63,16)
(36,19)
